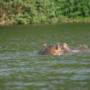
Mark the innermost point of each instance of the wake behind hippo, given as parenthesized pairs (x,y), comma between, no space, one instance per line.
(58,50)
(81,49)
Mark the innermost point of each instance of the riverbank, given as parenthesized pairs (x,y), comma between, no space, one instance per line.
(14,12)
(59,20)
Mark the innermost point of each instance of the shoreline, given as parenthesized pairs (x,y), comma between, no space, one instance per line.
(63,20)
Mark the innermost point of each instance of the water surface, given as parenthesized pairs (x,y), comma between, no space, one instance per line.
(21,68)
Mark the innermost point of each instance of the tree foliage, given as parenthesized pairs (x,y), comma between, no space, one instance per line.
(42,11)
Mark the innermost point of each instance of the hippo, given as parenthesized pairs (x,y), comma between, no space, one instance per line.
(58,50)
(55,50)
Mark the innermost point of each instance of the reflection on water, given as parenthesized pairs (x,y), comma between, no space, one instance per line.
(21,68)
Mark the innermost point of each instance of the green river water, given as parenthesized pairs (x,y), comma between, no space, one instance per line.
(21,68)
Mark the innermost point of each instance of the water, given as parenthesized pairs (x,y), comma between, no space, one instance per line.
(21,68)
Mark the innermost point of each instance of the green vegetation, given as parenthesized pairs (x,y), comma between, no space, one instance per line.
(44,11)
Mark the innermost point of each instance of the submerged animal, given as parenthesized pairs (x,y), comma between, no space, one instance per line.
(57,49)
